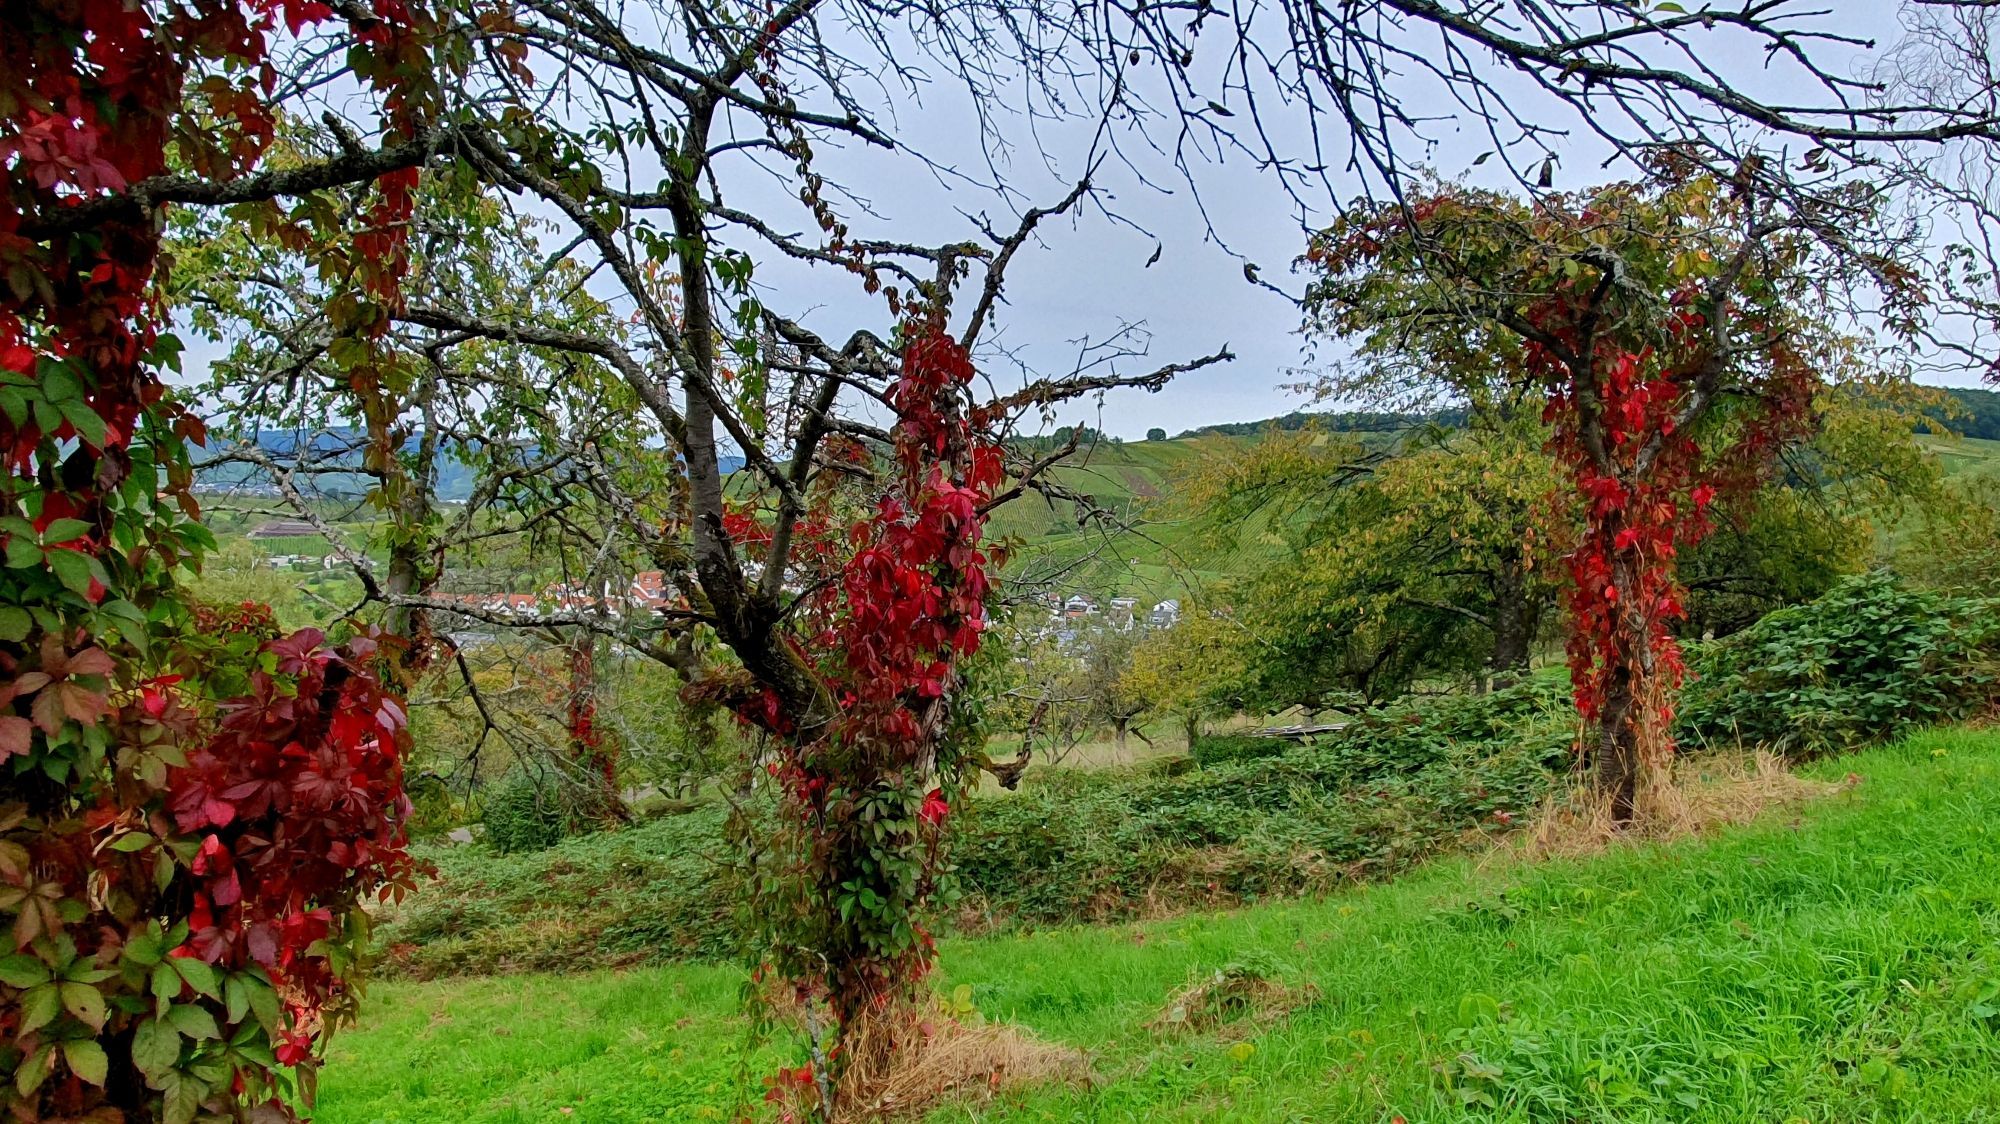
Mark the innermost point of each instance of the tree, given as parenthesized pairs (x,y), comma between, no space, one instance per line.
(1671,332)
(1823,510)
(1191,671)
(1393,564)
(184,902)
(1156,434)
(842,570)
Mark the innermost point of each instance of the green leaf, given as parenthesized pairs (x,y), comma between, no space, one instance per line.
(198,975)
(195,1022)
(182,1100)
(63,530)
(22,970)
(73,568)
(88,424)
(15,623)
(1476,1008)
(237,994)
(85,1002)
(58,385)
(264,1001)
(38,1006)
(23,552)
(166,983)
(348,352)
(34,1071)
(156,1047)
(86,1059)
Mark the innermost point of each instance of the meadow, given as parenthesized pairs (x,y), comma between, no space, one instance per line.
(1838,960)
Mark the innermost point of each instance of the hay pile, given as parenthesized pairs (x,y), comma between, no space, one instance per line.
(1234,1001)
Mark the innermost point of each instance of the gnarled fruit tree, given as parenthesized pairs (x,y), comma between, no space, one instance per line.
(1677,332)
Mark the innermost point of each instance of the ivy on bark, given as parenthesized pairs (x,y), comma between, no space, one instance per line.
(1675,331)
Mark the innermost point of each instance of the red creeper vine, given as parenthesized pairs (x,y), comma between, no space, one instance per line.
(865,797)
(195,807)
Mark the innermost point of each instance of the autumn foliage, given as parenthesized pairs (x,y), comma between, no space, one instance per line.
(898,602)
(1670,332)
(196,806)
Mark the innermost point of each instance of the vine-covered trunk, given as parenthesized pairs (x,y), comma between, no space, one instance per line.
(865,783)
(406,491)
(1629,743)
(594,755)
(1616,748)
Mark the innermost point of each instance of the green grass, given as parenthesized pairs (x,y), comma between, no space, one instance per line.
(1965,456)
(1841,965)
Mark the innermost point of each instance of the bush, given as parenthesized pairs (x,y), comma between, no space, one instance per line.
(432,810)
(1863,664)
(522,813)
(1210,750)
(1396,786)
(655,891)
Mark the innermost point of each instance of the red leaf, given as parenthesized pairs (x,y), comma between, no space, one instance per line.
(16,735)
(935,808)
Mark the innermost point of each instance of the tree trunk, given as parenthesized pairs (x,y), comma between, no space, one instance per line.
(1629,724)
(412,570)
(596,756)
(1514,620)
(1617,749)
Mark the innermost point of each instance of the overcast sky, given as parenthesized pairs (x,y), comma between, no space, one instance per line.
(1089,276)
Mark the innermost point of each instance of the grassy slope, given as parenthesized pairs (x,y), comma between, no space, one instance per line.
(1160,554)
(1966,455)
(1838,968)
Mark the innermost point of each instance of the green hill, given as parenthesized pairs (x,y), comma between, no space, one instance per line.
(1138,551)
(1144,551)
(1970,456)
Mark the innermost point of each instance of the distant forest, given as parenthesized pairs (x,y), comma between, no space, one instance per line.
(1346,421)
(1981,417)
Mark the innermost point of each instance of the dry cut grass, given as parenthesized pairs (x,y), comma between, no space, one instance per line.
(1695,796)
(903,1063)
(947,1059)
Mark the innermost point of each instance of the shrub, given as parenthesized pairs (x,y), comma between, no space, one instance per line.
(432,810)
(655,891)
(523,813)
(1862,664)
(1213,749)
(1396,786)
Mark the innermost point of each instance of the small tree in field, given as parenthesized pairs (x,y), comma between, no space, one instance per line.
(1192,671)
(1676,335)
